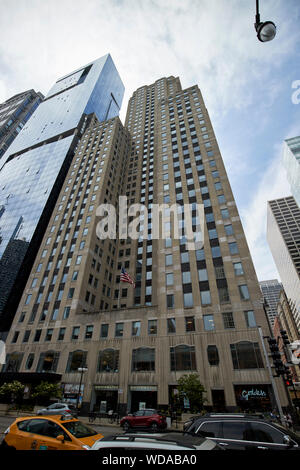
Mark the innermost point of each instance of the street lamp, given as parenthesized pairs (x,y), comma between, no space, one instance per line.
(266,30)
(82,370)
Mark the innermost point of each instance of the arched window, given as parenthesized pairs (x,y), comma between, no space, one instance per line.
(143,359)
(48,361)
(246,355)
(76,359)
(108,361)
(183,357)
(213,355)
(13,362)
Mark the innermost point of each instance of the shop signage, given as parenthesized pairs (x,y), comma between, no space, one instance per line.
(106,387)
(143,388)
(253,393)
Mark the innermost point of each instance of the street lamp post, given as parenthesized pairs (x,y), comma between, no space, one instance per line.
(81,370)
(266,30)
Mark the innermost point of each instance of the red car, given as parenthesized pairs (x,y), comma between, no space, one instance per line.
(147,418)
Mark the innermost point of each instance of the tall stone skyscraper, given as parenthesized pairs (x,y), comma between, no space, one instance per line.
(34,167)
(271,290)
(283,235)
(189,310)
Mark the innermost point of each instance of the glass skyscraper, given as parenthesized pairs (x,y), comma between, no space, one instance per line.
(14,113)
(35,165)
(291,160)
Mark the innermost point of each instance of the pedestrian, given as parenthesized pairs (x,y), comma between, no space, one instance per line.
(289,421)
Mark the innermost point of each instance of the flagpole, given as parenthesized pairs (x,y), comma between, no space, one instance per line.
(119,292)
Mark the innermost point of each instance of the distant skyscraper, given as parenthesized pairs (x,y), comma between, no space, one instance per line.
(291,160)
(271,292)
(189,310)
(14,113)
(35,165)
(283,235)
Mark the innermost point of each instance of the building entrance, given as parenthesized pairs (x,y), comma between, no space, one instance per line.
(218,401)
(106,400)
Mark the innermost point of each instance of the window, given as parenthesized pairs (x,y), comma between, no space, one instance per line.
(119,330)
(152,327)
(265,433)
(75,332)
(108,361)
(228,320)
(171,325)
(76,359)
(28,298)
(37,335)
(233,248)
(136,328)
(225,213)
(244,292)
(202,275)
(246,355)
(189,324)
(170,301)
(208,321)
(89,331)
(238,269)
(104,330)
(49,334)
(213,355)
(228,229)
(182,357)
(169,279)
(235,430)
(61,334)
(169,260)
(250,319)
(188,300)
(205,297)
(143,359)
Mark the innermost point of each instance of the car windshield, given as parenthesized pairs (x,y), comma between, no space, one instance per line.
(78,429)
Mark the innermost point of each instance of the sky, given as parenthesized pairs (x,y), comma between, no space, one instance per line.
(247,85)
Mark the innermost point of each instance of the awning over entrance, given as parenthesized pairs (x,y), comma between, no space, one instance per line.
(29,377)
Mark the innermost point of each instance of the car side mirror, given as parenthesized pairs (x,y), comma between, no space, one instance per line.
(60,438)
(287,440)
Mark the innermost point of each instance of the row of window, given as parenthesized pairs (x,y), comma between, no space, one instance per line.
(152,327)
(244,354)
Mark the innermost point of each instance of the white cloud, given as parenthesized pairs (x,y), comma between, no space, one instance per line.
(272,185)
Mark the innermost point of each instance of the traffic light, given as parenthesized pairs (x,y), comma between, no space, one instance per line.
(288,377)
(284,337)
(276,356)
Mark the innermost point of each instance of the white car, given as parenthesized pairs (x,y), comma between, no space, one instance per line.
(58,409)
(160,441)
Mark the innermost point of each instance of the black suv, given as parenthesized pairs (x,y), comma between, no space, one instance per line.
(243,432)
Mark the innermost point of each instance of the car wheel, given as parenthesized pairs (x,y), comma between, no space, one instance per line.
(126,426)
(154,427)
(5,446)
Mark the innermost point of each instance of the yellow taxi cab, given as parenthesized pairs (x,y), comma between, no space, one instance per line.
(49,433)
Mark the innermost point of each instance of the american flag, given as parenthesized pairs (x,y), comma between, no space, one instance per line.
(126,278)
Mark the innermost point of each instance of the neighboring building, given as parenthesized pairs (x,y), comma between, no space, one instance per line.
(285,321)
(14,113)
(35,166)
(189,311)
(283,235)
(271,292)
(291,160)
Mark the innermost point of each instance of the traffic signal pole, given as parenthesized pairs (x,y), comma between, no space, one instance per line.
(275,391)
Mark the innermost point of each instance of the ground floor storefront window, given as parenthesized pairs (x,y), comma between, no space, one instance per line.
(253,397)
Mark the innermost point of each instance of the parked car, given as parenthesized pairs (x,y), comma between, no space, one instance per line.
(51,433)
(243,432)
(163,441)
(58,409)
(148,419)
